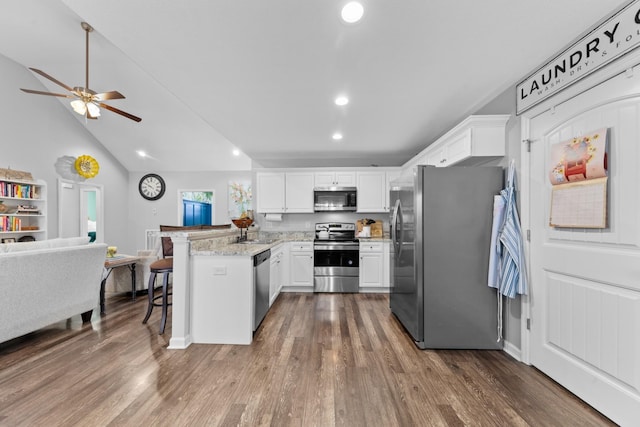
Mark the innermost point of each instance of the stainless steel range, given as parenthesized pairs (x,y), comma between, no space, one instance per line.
(336,256)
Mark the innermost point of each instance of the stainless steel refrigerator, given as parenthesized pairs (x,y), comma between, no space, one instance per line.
(441,231)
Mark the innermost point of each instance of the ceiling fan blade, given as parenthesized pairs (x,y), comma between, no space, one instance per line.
(39,92)
(122,113)
(104,96)
(47,76)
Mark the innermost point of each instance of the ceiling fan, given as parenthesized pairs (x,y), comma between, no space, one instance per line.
(85,101)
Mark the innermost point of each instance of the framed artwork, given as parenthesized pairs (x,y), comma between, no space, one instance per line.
(240,198)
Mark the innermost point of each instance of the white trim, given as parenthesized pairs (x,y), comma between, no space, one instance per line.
(512,351)
(525,221)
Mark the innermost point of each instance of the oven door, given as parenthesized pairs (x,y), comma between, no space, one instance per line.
(336,268)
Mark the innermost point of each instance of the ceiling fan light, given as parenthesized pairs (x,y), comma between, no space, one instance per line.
(79,106)
(94,110)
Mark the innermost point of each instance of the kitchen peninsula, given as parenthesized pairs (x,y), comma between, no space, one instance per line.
(213,284)
(213,279)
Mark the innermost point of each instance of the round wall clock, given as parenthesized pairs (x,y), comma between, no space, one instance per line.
(151,186)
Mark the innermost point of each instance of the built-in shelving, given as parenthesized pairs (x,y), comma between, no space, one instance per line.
(23,210)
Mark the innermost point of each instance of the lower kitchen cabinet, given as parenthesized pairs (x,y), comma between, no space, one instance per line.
(277,277)
(301,265)
(374,266)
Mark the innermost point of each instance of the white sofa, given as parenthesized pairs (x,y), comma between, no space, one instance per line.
(47,281)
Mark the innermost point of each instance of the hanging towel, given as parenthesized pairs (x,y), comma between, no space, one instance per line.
(493,279)
(513,274)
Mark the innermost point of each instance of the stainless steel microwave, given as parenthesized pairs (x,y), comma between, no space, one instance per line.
(327,199)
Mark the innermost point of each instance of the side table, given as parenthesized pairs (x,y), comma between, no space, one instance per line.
(114,262)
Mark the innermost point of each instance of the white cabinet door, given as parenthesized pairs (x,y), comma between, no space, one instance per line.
(275,277)
(459,148)
(390,176)
(371,265)
(345,179)
(333,178)
(301,264)
(372,189)
(299,192)
(324,179)
(270,192)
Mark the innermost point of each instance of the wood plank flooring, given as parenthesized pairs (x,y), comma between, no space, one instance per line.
(317,360)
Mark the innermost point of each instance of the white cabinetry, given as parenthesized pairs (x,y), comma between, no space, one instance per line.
(476,140)
(371,264)
(335,178)
(24,209)
(270,194)
(276,276)
(299,192)
(373,190)
(280,192)
(301,265)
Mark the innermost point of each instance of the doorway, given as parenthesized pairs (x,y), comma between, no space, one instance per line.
(196,207)
(80,210)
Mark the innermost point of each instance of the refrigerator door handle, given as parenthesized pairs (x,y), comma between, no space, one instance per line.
(397,232)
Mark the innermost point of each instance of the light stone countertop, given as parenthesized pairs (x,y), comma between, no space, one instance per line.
(224,242)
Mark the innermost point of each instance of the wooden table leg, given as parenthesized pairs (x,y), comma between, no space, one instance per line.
(132,268)
(102,285)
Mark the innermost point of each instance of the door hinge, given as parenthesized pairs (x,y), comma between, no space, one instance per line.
(528,142)
(528,324)
(528,235)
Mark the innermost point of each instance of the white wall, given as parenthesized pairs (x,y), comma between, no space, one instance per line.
(36,130)
(148,215)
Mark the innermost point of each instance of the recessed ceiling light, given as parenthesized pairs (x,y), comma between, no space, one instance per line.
(337,136)
(342,100)
(236,152)
(352,12)
(141,153)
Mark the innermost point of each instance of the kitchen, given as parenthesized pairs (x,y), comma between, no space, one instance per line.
(326,196)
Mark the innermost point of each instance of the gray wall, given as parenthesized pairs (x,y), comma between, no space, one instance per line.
(505,103)
(148,215)
(36,130)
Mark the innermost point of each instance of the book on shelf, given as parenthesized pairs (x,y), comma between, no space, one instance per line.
(19,191)
(28,209)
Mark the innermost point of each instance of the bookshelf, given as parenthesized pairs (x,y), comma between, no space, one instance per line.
(23,209)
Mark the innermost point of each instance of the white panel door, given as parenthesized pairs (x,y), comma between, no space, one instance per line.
(585,283)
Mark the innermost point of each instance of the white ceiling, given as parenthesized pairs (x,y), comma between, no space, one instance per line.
(210,75)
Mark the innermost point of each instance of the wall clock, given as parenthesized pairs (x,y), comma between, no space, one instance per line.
(151,186)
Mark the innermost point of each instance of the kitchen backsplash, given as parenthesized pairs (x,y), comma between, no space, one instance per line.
(307,222)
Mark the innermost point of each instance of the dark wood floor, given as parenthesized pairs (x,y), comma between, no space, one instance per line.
(317,360)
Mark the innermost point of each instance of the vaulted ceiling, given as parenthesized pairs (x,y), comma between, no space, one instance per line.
(208,76)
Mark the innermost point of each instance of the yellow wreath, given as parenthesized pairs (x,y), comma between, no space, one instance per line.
(87,166)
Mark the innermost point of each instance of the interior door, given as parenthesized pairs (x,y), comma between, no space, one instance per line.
(585,283)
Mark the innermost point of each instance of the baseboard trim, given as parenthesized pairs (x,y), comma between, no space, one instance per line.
(512,351)
(179,343)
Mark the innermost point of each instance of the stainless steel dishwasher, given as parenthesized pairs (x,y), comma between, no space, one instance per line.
(261,272)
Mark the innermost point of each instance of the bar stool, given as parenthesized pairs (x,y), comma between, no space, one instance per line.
(162,266)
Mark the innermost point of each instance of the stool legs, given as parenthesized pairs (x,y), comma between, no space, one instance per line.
(165,302)
(151,291)
(164,297)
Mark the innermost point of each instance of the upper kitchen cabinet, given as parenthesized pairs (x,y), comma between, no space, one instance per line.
(280,192)
(299,192)
(270,192)
(373,190)
(477,140)
(335,179)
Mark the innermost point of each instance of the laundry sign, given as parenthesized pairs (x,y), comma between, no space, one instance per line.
(610,40)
